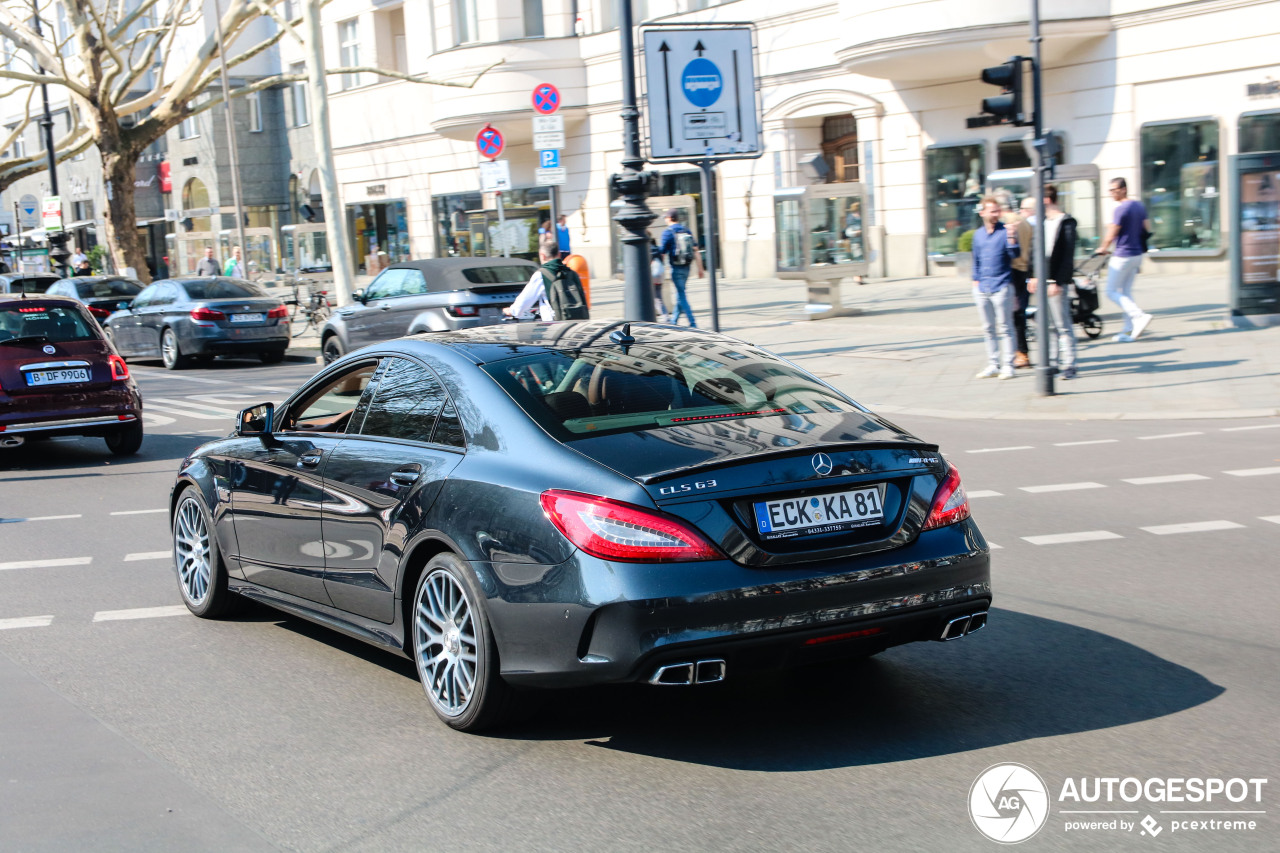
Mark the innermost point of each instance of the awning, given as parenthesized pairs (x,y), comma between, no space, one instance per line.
(82,223)
(34,234)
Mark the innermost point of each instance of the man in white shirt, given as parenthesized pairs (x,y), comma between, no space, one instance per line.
(78,261)
(535,292)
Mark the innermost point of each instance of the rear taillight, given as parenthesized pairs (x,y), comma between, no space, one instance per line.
(277,313)
(207,314)
(100,313)
(949,503)
(119,370)
(463,310)
(613,530)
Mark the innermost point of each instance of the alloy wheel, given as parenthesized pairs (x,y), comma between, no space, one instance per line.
(169,348)
(445,643)
(191,549)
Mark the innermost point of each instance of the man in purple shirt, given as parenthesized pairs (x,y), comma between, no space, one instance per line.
(1126,231)
(994,248)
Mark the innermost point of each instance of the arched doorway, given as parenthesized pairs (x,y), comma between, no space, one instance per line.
(195,233)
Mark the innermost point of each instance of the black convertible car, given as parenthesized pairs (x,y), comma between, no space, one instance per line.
(557,504)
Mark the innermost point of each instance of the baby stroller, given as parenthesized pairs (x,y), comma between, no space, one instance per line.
(1084,299)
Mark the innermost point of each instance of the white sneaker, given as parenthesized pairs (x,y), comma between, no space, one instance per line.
(987,372)
(1122,338)
(1140,324)
(1007,373)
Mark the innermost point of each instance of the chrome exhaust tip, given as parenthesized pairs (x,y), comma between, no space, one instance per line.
(977,622)
(12,441)
(955,629)
(673,674)
(709,671)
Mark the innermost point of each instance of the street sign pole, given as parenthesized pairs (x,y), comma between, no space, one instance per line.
(709,227)
(502,224)
(1044,370)
(632,185)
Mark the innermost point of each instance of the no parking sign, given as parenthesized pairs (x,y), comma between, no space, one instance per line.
(489,142)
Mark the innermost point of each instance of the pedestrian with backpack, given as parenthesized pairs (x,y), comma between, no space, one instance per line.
(554,288)
(681,251)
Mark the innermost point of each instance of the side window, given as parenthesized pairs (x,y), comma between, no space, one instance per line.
(166,294)
(330,407)
(408,399)
(389,284)
(449,428)
(414,282)
(144,298)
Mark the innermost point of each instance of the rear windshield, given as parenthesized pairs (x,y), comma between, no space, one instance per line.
(108,287)
(513,274)
(222,289)
(601,391)
(35,284)
(55,323)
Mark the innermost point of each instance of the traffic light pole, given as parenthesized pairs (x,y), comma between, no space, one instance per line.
(1044,370)
(632,185)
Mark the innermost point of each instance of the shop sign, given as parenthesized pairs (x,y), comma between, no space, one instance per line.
(1264,89)
(52,213)
(376,189)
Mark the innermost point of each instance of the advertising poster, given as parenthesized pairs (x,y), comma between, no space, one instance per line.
(1260,227)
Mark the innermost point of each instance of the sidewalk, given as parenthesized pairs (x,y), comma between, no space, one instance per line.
(917,344)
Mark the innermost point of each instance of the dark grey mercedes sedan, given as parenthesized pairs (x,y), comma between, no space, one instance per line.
(558,504)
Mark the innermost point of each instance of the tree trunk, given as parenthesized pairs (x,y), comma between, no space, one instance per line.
(123,240)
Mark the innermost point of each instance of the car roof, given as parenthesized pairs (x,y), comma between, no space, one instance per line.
(484,344)
(20,276)
(450,264)
(8,300)
(102,278)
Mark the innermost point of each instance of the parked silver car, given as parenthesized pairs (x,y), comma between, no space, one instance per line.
(435,295)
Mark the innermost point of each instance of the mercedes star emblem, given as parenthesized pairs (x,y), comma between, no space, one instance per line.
(50,349)
(822,464)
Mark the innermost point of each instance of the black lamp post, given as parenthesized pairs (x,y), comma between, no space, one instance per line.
(58,239)
(632,185)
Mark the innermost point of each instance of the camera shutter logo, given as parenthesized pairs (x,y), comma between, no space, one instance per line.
(1009,803)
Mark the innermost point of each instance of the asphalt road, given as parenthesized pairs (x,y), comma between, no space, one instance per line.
(1135,634)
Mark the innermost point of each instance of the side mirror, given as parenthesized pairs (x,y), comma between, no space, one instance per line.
(359,296)
(256,420)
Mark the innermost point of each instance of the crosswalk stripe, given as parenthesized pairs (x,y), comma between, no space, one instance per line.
(26,622)
(1167,435)
(157,374)
(1066,538)
(1168,478)
(1061,487)
(139,613)
(194,402)
(204,416)
(47,564)
(1000,449)
(1192,527)
(1246,428)
(147,555)
(1252,472)
(157,420)
(1083,443)
(1274,519)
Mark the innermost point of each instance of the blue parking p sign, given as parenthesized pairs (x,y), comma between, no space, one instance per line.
(549,158)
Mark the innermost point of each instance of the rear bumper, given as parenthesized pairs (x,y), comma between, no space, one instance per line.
(70,426)
(215,346)
(92,413)
(211,339)
(771,619)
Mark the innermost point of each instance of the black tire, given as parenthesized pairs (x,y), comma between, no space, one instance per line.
(489,701)
(127,440)
(217,600)
(332,349)
(271,356)
(170,352)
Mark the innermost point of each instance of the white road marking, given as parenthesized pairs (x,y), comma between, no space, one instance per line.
(26,622)
(140,613)
(1083,443)
(1245,428)
(1167,435)
(1168,478)
(984,494)
(47,564)
(53,517)
(147,555)
(199,402)
(157,420)
(994,547)
(1000,449)
(1274,519)
(1252,472)
(156,374)
(269,389)
(1192,527)
(204,416)
(138,511)
(1066,538)
(1061,487)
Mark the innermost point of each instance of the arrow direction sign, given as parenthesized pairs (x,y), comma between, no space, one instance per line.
(701,87)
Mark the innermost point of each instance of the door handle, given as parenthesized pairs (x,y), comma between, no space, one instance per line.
(309,460)
(404,478)
(384,307)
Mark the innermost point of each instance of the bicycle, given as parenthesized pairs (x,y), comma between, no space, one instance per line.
(309,313)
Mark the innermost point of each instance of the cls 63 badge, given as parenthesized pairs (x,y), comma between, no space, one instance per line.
(684,488)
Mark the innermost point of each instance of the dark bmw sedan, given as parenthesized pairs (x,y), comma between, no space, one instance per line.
(557,504)
(183,319)
(102,294)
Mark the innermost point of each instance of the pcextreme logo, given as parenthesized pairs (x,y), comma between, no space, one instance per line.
(1009,803)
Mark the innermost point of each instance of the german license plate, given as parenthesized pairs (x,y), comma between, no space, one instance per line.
(830,513)
(248,318)
(61,376)
(489,311)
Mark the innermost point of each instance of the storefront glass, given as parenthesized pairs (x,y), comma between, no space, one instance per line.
(953,188)
(786,217)
(464,228)
(258,254)
(1260,132)
(1180,184)
(380,234)
(305,248)
(835,226)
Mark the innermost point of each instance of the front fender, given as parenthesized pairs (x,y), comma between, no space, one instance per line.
(209,478)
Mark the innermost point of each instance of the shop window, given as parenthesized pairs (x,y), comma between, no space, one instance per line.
(840,148)
(298,96)
(533,20)
(349,51)
(1010,153)
(379,234)
(1180,184)
(1260,132)
(19,143)
(187,128)
(194,195)
(953,188)
(254,99)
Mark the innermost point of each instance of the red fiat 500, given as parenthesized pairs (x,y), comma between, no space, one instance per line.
(60,376)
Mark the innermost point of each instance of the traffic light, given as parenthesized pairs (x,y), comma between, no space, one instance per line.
(1007,106)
